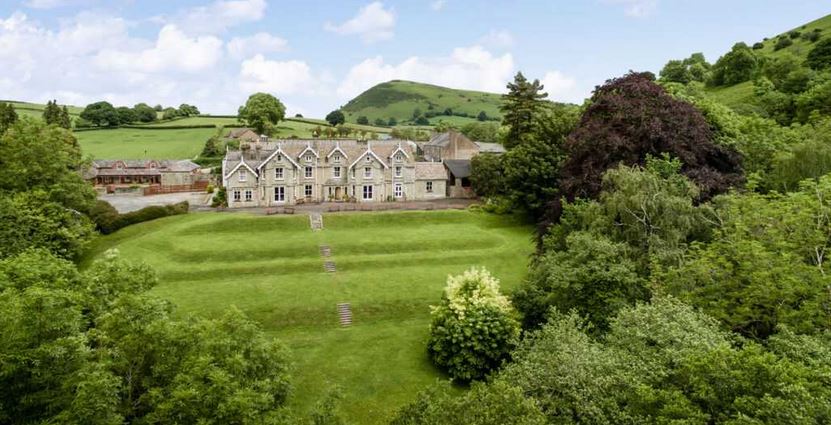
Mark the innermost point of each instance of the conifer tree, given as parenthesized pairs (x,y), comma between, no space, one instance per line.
(523,101)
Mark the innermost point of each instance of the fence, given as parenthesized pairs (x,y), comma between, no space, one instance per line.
(198,186)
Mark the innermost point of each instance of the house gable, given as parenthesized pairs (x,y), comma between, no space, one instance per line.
(279,151)
(241,164)
(369,153)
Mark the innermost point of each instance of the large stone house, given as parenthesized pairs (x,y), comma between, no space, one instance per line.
(271,172)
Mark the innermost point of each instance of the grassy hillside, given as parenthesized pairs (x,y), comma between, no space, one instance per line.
(740,96)
(36,109)
(390,267)
(398,99)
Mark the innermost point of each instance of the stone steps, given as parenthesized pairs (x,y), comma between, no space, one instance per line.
(316,221)
(325,251)
(329,266)
(345,314)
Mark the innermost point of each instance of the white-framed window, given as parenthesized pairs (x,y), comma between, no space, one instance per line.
(429,187)
(237,196)
(278,173)
(309,171)
(308,157)
(243,175)
(279,157)
(336,157)
(399,157)
(353,173)
(398,190)
(249,194)
(279,194)
(398,171)
(336,172)
(308,191)
(367,172)
(367,192)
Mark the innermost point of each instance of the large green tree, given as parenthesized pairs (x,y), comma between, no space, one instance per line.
(8,116)
(102,114)
(819,58)
(335,117)
(262,112)
(736,66)
(144,112)
(524,100)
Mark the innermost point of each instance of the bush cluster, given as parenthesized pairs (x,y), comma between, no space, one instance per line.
(107,219)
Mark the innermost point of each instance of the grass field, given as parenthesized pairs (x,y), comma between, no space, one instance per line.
(129,143)
(36,109)
(390,267)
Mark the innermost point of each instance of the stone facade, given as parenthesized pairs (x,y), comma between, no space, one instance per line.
(267,172)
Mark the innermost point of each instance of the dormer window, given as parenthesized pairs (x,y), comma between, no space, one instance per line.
(399,157)
(243,175)
(279,157)
(336,157)
(308,158)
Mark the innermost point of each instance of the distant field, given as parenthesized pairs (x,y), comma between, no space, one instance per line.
(205,120)
(390,267)
(36,109)
(128,143)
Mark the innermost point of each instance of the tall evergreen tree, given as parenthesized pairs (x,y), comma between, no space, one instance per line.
(64,121)
(7,116)
(523,101)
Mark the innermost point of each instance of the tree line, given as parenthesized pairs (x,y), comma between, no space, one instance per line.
(680,273)
(104,114)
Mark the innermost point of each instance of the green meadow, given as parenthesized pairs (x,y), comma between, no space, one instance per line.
(391,267)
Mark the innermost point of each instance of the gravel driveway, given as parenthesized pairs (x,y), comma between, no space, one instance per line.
(132,202)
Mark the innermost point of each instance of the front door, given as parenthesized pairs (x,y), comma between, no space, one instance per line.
(338,193)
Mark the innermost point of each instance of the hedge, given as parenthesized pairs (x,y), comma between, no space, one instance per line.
(107,219)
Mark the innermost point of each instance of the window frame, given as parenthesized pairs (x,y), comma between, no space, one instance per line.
(237,195)
(398,190)
(309,172)
(367,190)
(367,172)
(336,172)
(399,171)
(428,187)
(280,194)
(279,173)
(249,195)
(242,174)
(308,190)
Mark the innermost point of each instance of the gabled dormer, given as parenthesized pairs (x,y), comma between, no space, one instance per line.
(308,154)
(337,155)
(278,156)
(244,169)
(399,154)
(367,157)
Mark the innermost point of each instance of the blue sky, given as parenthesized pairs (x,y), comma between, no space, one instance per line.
(316,55)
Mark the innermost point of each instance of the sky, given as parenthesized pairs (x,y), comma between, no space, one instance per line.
(317,55)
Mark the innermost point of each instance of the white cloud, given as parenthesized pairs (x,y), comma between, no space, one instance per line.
(562,88)
(437,5)
(173,51)
(501,39)
(50,4)
(279,77)
(372,23)
(471,68)
(220,15)
(637,8)
(260,43)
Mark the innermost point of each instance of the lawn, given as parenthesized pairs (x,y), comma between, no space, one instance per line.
(130,143)
(390,267)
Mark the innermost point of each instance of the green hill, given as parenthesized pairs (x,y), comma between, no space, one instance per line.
(36,109)
(400,99)
(740,96)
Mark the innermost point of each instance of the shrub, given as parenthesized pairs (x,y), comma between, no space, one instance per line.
(758,45)
(220,198)
(473,329)
(363,120)
(782,43)
(820,56)
(209,189)
(422,120)
(108,220)
(794,34)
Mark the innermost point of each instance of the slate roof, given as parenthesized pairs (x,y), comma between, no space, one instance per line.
(353,149)
(460,168)
(485,147)
(138,167)
(430,171)
(441,139)
(235,133)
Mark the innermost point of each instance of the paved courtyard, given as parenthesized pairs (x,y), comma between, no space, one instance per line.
(126,202)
